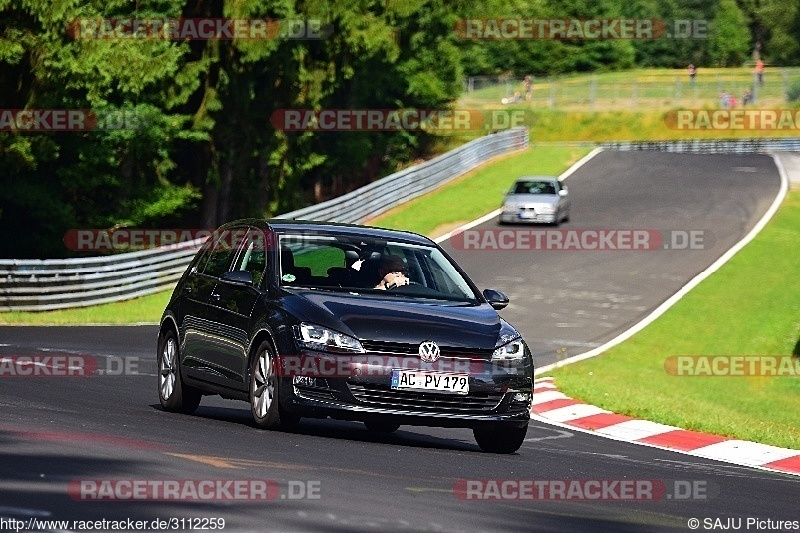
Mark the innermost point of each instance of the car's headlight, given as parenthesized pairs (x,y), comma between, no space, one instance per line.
(326,340)
(508,207)
(546,209)
(511,350)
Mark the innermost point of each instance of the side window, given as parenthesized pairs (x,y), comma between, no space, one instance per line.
(253,257)
(220,256)
(201,257)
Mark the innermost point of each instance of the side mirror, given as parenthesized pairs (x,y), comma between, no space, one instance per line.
(563,192)
(240,277)
(496,299)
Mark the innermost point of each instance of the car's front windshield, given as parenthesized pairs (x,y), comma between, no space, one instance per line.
(370,266)
(534,187)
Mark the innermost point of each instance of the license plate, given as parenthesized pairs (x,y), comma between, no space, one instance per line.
(527,214)
(430,381)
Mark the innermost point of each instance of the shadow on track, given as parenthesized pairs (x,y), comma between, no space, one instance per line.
(43,482)
(336,429)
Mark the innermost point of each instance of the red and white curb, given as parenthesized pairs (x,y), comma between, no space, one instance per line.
(550,405)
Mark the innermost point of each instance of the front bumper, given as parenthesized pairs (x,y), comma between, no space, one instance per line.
(498,393)
(525,216)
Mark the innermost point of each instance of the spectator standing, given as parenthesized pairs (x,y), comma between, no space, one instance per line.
(760,71)
(528,87)
(692,73)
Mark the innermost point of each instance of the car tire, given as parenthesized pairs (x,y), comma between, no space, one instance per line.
(265,403)
(381,426)
(500,439)
(175,396)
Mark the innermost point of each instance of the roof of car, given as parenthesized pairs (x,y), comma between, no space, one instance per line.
(288,225)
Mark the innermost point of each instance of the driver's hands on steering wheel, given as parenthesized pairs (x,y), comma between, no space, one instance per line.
(392,280)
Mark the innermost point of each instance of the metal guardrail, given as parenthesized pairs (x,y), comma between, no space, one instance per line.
(380,196)
(709,146)
(704,146)
(47,284)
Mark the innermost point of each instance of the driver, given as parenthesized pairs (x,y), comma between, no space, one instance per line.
(393,273)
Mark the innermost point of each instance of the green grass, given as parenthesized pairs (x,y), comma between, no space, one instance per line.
(751,306)
(565,126)
(144,309)
(632,105)
(477,193)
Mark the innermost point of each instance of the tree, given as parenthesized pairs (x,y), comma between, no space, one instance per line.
(106,177)
(782,17)
(730,37)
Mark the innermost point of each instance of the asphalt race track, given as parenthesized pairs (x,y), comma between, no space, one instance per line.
(566,302)
(56,431)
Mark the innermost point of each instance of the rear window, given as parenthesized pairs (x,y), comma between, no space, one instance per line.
(534,187)
(319,258)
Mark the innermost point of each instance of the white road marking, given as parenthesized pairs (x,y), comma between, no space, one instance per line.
(573,412)
(740,451)
(635,429)
(560,435)
(542,397)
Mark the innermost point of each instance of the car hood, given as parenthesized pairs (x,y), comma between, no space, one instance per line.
(399,319)
(541,199)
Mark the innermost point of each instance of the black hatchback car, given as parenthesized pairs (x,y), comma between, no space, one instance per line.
(308,319)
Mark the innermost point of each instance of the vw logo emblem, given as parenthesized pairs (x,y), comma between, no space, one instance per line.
(429,351)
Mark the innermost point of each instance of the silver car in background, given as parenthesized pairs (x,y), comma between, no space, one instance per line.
(542,199)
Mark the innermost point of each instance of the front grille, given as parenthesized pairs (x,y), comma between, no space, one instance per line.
(385,397)
(402,348)
(312,394)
